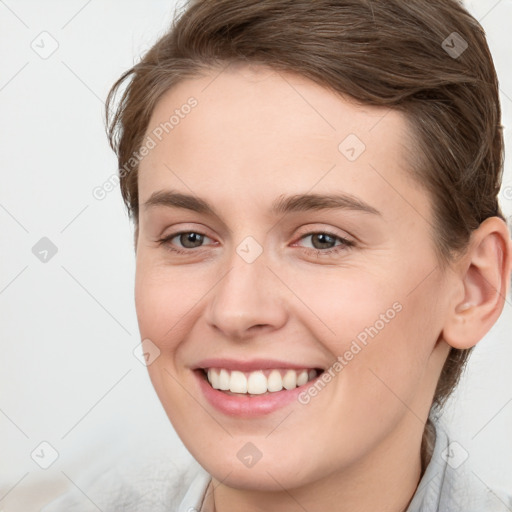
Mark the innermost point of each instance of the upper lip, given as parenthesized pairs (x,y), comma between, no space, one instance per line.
(252,365)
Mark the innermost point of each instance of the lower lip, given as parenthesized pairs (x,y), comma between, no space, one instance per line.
(248,406)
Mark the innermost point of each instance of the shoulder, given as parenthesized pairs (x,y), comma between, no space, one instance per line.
(451,483)
(154,483)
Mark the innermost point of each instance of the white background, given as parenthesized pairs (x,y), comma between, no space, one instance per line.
(68,375)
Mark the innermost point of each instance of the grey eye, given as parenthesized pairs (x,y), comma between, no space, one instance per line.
(191,240)
(324,240)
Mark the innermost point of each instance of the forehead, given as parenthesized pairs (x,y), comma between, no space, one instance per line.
(253,129)
(273,107)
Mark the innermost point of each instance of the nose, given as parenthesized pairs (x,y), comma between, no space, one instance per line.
(247,300)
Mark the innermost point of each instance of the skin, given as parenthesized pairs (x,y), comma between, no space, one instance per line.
(257,135)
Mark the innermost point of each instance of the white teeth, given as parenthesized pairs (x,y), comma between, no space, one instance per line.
(302,377)
(213,378)
(290,379)
(224,380)
(238,382)
(275,381)
(258,382)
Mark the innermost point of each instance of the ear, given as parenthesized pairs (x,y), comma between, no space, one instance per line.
(484,273)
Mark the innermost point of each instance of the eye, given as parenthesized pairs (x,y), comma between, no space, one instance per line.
(324,242)
(187,239)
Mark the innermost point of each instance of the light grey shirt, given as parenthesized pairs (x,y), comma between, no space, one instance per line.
(449,484)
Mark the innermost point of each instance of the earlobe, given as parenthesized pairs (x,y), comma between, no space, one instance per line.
(484,275)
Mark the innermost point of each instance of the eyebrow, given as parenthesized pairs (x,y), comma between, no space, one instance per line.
(283,205)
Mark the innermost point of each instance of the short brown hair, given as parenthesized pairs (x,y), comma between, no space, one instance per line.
(427,59)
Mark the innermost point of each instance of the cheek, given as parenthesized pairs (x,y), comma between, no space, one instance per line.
(350,304)
(381,336)
(165,300)
(166,303)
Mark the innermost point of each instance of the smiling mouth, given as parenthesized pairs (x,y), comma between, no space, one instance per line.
(259,382)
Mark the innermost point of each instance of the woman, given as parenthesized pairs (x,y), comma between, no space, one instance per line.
(319,246)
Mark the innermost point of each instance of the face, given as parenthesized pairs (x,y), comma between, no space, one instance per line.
(279,229)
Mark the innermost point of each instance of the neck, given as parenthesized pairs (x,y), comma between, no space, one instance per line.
(385,480)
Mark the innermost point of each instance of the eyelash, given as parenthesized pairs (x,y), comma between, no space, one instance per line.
(343,246)
(345,243)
